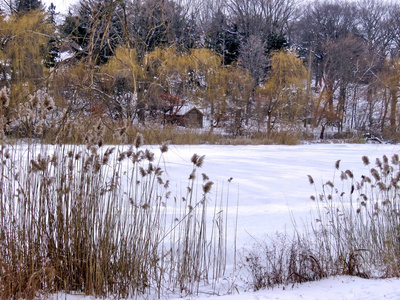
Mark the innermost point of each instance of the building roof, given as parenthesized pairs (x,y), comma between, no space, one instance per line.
(194,109)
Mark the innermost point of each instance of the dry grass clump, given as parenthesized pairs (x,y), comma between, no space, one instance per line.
(81,131)
(355,231)
(34,117)
(281,261)
(103,222)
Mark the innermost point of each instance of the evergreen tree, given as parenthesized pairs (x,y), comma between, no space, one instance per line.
(98,29)
(276,42)
(28,5)
(223,38)
(53,43)
(52,13)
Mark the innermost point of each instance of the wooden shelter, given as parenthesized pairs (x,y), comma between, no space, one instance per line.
(193,118)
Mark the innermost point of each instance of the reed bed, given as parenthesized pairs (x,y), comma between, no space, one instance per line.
(354,229)
(358,221)
(103,221)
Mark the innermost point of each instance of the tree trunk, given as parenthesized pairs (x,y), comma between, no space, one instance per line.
(309,108)
(393,106)
(341,106)
(321,135)
(329,98)
(269,123)
(370,108)
(212,112)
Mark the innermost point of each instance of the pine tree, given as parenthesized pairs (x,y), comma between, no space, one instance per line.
(52,13)
(223,38)
(53,43)
(28,5)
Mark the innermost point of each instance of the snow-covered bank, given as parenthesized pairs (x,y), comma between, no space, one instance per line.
(335,288)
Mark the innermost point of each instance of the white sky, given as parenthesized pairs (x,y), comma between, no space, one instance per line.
(61,5)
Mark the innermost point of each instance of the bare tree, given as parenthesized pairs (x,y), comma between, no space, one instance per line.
(155,23)
(8,6)
(345,64)
(376,26)
(98,28)
(253,58)
(323,21)
(327,35)
(261,17)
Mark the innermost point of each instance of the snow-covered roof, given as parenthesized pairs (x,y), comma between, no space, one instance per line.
(186,108)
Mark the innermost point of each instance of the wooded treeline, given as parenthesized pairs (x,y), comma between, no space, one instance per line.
(252,66)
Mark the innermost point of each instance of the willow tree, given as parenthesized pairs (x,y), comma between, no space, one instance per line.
(24,39)
(184,75)
(204,84)
(283,96)
(119,81)
(166,78)
(240,86)
(227,96)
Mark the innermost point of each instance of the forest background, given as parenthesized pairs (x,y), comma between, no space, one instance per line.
(260,71)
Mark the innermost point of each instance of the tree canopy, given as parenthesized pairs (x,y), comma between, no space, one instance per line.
(244,62)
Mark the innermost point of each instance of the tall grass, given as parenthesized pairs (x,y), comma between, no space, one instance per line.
(103,222)
(359,226)
(354,230)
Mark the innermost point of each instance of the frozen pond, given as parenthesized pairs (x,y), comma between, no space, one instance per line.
(271,181)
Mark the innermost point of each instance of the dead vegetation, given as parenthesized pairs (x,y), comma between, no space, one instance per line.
(354,230)
(103,221)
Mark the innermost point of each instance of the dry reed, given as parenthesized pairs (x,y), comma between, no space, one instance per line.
(102,222)
(355,230)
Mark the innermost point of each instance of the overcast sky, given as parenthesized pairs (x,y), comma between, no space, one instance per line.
(61,5)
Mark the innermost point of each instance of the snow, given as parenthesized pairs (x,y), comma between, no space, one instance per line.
(344,288)
(272,180)
(64,56)
(335,288)
(272,184)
